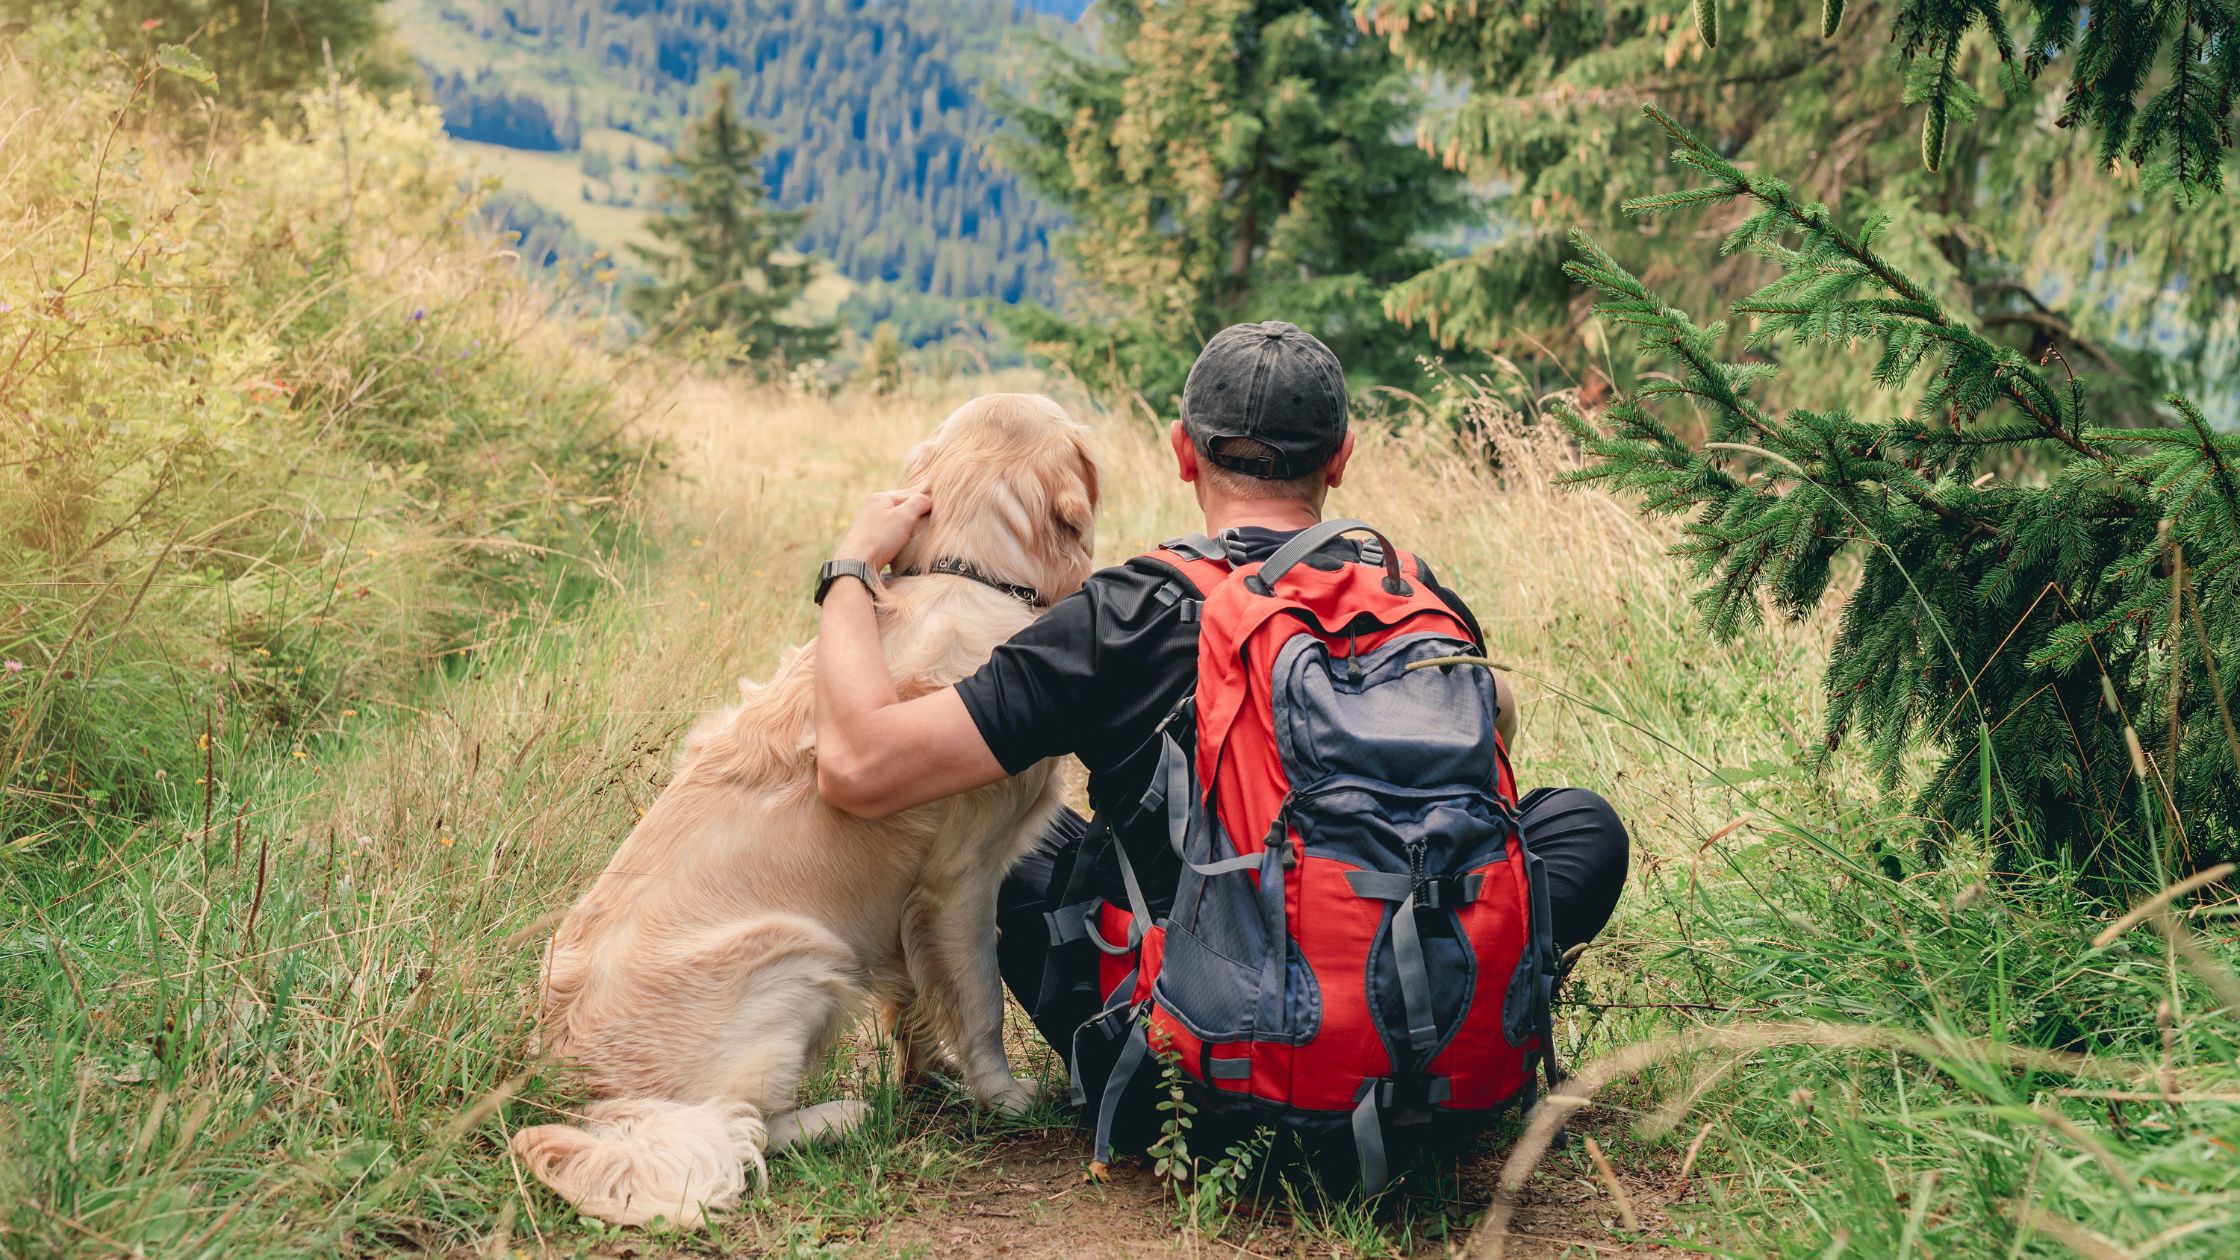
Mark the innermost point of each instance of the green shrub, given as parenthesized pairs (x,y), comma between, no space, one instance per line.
(283,433)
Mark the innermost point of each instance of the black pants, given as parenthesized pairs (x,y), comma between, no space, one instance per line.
(1580,842)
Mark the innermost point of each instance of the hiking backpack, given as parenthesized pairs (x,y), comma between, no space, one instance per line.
(1358,943)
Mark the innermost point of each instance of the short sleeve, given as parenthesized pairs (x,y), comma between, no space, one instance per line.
(1061,681)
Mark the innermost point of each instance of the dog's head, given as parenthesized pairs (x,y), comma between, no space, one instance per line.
(1014,487)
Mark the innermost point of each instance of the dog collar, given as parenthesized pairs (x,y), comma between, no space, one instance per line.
(955,567)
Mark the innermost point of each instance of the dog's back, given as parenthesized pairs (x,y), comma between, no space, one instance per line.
(740,834)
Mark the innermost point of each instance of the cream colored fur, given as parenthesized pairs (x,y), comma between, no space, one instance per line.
(745,922)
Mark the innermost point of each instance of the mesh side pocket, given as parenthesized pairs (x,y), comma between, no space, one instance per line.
(1211,994)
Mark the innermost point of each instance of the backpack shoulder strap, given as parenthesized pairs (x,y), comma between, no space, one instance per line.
(1196,565)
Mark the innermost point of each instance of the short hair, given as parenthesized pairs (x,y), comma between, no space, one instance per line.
(1230,483)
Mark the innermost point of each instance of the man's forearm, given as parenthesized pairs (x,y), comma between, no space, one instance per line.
(852,676)
(877,753)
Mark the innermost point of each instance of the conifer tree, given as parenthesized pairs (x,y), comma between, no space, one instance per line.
(721,262)
(2045,596)
(2025,224)
(1227,160)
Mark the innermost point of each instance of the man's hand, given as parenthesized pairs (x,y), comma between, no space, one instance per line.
(882,526)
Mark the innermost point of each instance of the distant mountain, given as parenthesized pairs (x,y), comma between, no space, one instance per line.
(873,110)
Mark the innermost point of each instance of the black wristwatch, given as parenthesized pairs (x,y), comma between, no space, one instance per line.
(834,570)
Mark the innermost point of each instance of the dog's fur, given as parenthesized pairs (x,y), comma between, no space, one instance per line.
(744,922)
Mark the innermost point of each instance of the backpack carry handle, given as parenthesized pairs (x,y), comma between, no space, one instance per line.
(1314,538)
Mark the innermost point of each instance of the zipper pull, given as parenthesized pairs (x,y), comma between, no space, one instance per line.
(1353,658)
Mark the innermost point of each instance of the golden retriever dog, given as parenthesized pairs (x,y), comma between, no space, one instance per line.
(744,923)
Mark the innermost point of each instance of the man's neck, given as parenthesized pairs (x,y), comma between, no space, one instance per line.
(1276,514)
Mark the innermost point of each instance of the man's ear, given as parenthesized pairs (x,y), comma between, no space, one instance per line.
(1186,452)
(1335,471)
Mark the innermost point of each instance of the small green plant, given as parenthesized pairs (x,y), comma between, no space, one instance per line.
(1207,1193)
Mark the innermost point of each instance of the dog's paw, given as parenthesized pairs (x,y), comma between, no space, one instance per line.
(1016,1099)
(825,1122)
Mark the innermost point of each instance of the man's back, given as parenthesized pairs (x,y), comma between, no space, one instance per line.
(1096,675)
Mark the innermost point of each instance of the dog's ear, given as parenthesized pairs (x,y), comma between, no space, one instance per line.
(1092,472)
(917,467)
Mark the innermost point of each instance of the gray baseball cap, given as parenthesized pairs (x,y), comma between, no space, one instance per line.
(1271,389)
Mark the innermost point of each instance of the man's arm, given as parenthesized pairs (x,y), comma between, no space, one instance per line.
(877,754)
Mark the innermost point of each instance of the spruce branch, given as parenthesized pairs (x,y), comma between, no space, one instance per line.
(1951,604)
(1973,359)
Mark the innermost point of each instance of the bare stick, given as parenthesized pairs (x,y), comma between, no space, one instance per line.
(1626,1219)
(1695,1148)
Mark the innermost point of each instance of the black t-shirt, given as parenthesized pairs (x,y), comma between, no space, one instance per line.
(1096,675)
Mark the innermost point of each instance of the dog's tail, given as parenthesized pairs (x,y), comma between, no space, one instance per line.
(636,1159)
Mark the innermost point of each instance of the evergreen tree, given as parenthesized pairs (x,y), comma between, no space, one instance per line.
(872,112)
(718,263)
(2023,224)
(1227,160)
(2064,637)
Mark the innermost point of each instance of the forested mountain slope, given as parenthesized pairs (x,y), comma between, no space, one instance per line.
(873,111)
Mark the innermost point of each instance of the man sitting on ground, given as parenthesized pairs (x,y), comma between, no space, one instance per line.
(1262,440)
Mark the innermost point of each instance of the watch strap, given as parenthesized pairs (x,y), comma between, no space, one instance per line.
(834,570)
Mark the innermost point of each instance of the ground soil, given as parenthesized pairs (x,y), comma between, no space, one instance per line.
(1030,1200)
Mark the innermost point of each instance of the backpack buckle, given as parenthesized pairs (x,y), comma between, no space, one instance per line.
(1448,892)
(1411,1095)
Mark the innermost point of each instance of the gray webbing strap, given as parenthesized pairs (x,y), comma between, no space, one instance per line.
(1196,546)
(1089,932)
(1246,862)
(1415,980)
(1122,996)
(1068,924)
(1139,911)
(1123,1071)
(1315,537)
(1386,886)
(1278,926)
(1544,986)
(1381,885)
(1368,1140)
(1174,774)
(1229,1069)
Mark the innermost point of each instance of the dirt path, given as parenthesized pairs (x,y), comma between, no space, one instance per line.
(1030,1202)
